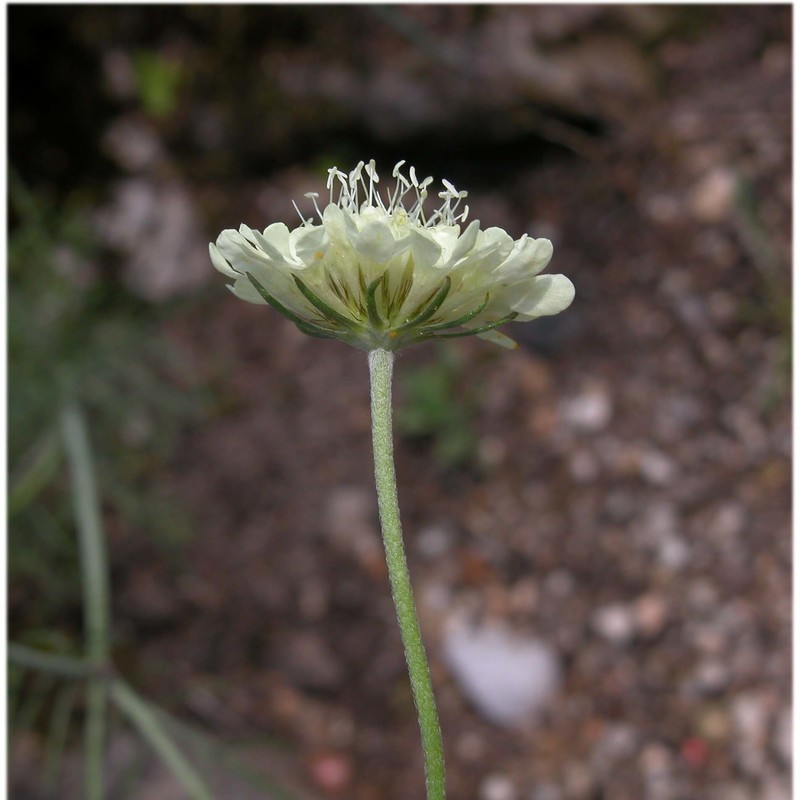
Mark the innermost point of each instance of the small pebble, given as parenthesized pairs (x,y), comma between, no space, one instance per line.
(614,623)
(331,772)
(782,738)
(589,411)
(711,199)
(507,678)
(434,541)
(656,467)
(651,615)
(497,787)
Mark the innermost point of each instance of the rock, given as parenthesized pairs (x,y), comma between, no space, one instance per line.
(673,553)
(775,788)
(751,717)
(615,623)
(650,611)
(588,412)
(711,199)
(352,522)
(497,787)
(730,791)
(728,521)
(659,530)
(309,663)
(547,791)
(656,467)
(617,742)
(507,678)
(434,541)
(782,738)
(710,677)
(133,144)
(583,466)
(331,772)
(655,762)
(155,224)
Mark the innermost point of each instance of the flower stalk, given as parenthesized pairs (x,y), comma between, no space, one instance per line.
(380,369)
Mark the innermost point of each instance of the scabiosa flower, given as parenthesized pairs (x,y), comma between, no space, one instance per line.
(379,273)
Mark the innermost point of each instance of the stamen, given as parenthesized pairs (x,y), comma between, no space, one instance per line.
(302,218)
(313,196)
(359,190)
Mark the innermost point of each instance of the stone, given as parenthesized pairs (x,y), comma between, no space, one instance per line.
(650,611)
(508,678)
(497,787)
(434,541)
(711,199)
(351,515)
(782,738)
(656,467)
(588,412)
(615,623)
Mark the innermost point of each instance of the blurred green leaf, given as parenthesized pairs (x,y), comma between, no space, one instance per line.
(435,405)
(157,81)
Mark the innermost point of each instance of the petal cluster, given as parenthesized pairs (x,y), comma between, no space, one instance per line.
(376,271)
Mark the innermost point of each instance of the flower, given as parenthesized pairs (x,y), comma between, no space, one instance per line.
(378,273)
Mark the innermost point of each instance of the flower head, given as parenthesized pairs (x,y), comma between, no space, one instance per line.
(376,271)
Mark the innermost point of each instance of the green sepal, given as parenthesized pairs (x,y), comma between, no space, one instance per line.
(440,326)
(317,331)
(279,307)
(495,337)
(429,310)
(329,313)
(372,307)
(482,329)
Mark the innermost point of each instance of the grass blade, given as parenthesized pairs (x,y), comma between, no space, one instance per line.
(145,719)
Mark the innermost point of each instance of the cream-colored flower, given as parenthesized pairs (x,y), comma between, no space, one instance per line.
(377,274)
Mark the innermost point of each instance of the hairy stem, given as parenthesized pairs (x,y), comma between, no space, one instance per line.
(380,369)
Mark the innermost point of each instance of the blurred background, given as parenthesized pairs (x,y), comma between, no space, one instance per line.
(597,523)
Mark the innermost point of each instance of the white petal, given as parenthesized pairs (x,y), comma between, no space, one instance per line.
(245,290)
(240,254)
(275,244)
(220,263)
(528,258)
(492,247)
(375,242)
(466,241)
(333,219)
(308,244)
(446,236)
(247,233)
(426,252)
(543,296)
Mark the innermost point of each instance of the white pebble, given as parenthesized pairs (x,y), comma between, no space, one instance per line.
(616,623)
(507,678)
(497,787)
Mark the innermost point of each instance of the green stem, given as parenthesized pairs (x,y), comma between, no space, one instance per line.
(380,370)
(94,571)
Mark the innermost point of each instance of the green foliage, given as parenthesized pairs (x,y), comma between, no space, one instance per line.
(435,405)
(74,332)
(47,681)
(157,82)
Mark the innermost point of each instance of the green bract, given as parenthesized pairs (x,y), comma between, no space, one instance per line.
(378,275)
